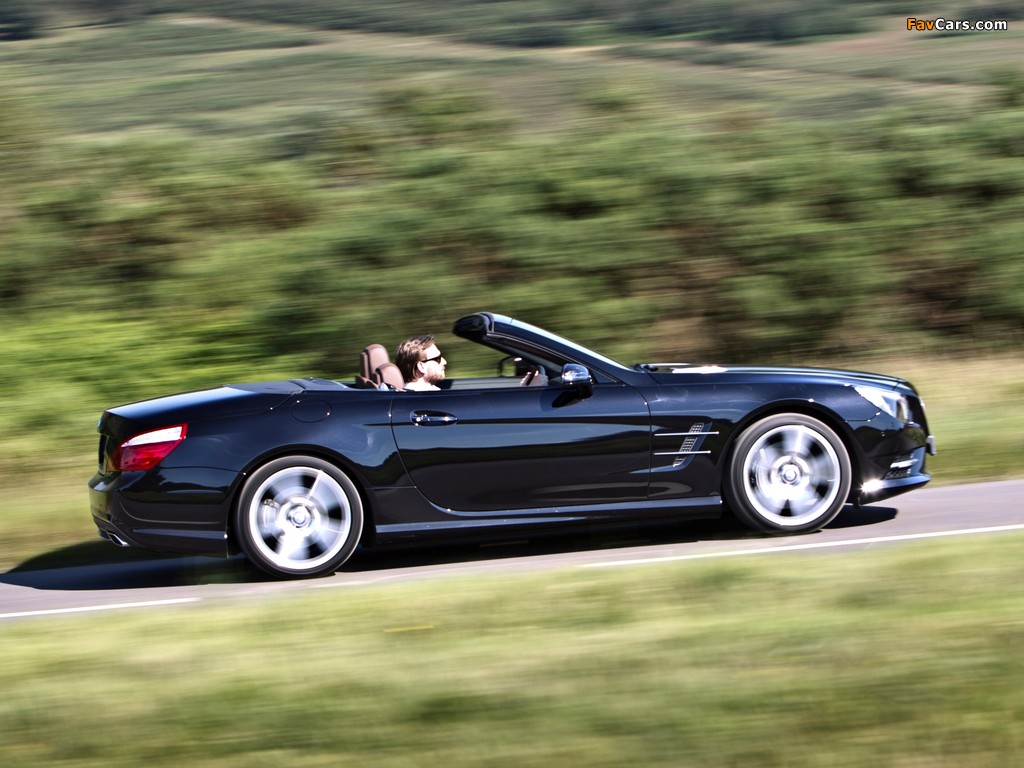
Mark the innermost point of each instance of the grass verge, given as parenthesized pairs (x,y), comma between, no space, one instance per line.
(973,411)
(906,656)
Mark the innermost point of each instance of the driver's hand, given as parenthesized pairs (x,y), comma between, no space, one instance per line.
(535,378)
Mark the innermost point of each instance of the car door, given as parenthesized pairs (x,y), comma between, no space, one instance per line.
(524,448)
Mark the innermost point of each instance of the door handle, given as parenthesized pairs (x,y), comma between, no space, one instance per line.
(432,418)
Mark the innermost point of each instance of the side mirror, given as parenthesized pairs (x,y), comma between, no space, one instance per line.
(577,377)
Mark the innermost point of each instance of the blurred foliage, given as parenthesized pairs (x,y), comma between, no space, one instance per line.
(1009,85)
(20,20)
(529,23)
(739,239)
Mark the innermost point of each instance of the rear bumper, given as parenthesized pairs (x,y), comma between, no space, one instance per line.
(127,517)
(180,541)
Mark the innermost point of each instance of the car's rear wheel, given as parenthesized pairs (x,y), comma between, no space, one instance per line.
(789,473)
(299,516)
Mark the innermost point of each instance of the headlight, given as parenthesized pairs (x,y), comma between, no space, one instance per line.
(892,403)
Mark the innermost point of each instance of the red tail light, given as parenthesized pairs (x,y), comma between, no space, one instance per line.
(145,451)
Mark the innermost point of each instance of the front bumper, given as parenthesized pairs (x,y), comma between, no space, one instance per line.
(904,472)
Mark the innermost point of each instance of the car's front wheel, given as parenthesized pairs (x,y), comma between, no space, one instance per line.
(789,473)
(298,516)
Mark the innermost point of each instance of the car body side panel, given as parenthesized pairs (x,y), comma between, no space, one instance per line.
(403,519)
(524,448)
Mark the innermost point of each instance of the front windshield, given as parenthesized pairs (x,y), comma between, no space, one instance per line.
(573,347)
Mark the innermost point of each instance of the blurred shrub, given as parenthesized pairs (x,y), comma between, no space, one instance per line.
(1009,84)
(991,9)
(20,20)
(534,23)
(23,137)
(437,114)
(744,20)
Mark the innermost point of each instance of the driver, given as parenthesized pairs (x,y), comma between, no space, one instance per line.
(421,363)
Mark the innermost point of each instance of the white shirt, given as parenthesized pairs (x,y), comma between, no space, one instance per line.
(421,385)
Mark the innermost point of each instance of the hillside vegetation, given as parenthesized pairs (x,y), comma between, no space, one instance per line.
(530,23)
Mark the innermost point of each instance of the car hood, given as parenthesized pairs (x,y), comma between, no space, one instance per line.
(677,372)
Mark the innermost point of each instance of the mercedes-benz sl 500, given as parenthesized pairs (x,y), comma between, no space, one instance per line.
(297,474)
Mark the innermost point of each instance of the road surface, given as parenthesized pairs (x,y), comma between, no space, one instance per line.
(932,513)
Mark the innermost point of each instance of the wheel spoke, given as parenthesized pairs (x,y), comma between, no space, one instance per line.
(801,503)
(795,442)
(763,462)
(823,468)
(327,533)
(316,482)
(769,493)
(291,545)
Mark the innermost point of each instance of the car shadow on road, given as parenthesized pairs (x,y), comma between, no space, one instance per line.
(855,517)
(85,568)
(97,566)
(689,532)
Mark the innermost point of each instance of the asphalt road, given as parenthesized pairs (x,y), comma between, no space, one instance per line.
(967,510)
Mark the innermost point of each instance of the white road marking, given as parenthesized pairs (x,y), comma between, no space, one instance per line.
(355,582)
(89,608)
(798,547)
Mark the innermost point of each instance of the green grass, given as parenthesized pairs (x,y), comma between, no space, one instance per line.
(905,656)
(974,410)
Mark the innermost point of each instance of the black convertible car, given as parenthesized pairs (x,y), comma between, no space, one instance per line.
(296,474)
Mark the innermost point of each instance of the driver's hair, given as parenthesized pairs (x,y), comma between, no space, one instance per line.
(409,353)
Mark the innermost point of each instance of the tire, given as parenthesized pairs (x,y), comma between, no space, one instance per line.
(788,473)
(298,516)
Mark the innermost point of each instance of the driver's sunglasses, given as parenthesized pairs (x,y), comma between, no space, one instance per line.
(434,359)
